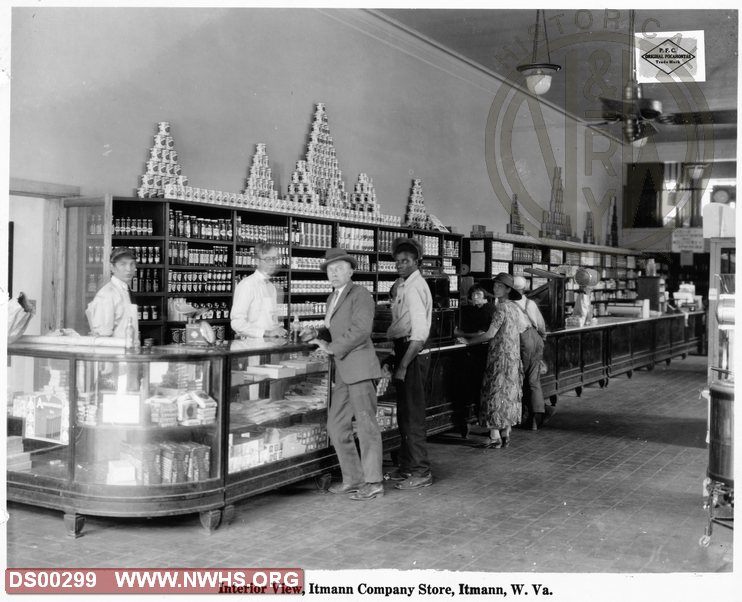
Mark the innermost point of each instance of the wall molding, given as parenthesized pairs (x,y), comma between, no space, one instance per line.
(46,190)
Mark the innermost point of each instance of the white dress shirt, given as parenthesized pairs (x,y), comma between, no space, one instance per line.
(255,306)
(412,310)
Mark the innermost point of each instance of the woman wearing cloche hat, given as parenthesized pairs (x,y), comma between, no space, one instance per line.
(500,405)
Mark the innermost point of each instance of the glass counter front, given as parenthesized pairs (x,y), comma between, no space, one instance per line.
(277,405)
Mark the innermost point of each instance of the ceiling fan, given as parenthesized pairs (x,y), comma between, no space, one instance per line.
(638,115)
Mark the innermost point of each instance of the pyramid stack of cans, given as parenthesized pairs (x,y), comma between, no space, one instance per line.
(416,216)
(163,168)
(259,180)
(363,197)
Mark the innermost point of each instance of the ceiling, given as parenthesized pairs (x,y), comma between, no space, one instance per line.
(591,46)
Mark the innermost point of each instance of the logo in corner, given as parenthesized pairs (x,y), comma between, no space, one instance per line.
(668,56)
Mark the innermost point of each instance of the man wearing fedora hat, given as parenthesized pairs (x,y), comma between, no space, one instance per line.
(346,337)
(113,305)
(412,311)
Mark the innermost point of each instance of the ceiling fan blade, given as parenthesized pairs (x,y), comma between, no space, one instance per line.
(718,117)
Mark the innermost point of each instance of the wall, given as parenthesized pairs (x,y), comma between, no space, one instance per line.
(89,85)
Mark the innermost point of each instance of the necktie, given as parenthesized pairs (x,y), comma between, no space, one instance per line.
(330,308)
(131,296)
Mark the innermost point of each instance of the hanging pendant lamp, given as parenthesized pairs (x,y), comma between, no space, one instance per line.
(538,75)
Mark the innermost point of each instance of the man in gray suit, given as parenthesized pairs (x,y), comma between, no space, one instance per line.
(346,336)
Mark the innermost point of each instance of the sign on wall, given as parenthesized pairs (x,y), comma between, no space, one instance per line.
(678,54)
(687,239)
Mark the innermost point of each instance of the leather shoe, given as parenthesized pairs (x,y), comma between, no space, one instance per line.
(416,482)
(344,488)
(368,492)
(397,475)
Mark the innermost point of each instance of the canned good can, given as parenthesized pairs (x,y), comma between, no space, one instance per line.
(175,335)
(220,332)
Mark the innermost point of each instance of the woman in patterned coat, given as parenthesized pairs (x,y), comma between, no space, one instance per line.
(500,406)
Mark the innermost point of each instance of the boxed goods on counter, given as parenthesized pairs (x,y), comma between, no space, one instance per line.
(270,371)
(245,449)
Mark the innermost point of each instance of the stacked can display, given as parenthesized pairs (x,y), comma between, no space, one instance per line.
(259,181)
(162,168)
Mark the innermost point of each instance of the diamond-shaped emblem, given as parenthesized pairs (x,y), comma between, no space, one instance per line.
(668,56)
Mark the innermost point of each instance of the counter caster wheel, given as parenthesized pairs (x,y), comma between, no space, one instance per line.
(73,524)
(682,357)
(630,373)
(210,520)
(705,541)
(578,390)
(650,368)
(667,361)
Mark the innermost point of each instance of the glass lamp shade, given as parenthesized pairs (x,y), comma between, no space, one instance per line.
(538,76)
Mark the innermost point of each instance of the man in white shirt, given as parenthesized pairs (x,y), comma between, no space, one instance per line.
(255,305)
(112,307)
(412,312)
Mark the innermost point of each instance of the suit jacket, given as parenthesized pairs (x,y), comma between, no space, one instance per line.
(351,324)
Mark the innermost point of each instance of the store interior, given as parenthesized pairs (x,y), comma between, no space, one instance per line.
(189,134)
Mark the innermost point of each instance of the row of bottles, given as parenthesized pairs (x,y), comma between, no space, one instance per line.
(147,254)
(179,253)
(130,226)
(213,310)
(253,233)
(95,224)
(148,312)
(245,258)
(215,281)
(95,254)
(146,281)
(190,226)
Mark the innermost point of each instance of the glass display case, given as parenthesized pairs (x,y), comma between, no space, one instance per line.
(277,405)
(97,431)
(93,430)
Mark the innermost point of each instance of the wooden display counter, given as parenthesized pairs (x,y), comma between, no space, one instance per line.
(575,357)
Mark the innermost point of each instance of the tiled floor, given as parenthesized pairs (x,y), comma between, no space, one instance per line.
(612,484)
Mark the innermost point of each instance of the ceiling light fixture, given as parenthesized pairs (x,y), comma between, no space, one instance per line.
(538,75)
(695,170)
